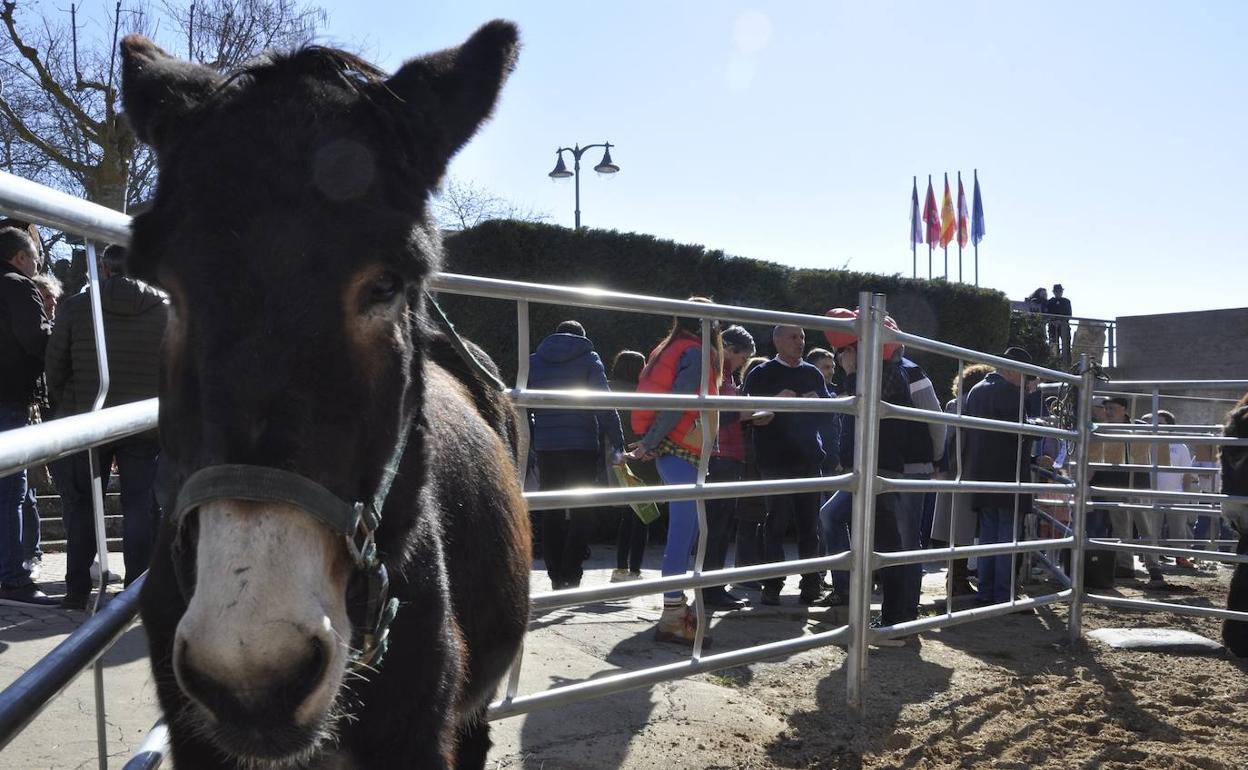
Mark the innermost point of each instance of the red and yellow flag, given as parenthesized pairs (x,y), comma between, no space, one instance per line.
(948,220)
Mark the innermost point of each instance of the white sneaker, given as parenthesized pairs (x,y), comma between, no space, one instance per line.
(623,576)
(113,577)
(34,567)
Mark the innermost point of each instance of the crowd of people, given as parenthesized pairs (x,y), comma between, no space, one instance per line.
(48,348)
(666,446)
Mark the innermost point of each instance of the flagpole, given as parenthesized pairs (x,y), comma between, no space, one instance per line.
(946,263)
(914,210)
(961,200)
(926,225)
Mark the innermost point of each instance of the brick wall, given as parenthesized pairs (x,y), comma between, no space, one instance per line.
(1204,345)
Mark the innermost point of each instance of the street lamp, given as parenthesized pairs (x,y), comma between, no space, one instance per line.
(605,166)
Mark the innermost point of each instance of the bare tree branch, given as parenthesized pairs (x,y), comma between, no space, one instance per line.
(22,131)
(46,81)
(60,120)
(460,205)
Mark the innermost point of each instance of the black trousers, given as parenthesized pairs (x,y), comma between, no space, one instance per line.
(630,541)
(136,464)
(565,532)
(801,509)
(721,513)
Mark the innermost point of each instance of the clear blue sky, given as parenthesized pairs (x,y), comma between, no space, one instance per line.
(1109,136)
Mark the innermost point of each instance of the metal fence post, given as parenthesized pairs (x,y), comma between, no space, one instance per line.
(1079,515)
(866,457)
(97,476)
(523,443)
(1113,344)
(710,429)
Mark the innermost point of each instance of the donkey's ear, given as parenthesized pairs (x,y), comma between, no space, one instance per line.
(462,84)
(159,91)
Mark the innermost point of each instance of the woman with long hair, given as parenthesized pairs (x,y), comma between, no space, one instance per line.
(674,440)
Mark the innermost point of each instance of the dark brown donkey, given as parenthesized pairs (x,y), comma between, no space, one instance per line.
(322,431)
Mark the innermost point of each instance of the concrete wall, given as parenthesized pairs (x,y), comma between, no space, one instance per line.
(1204,345)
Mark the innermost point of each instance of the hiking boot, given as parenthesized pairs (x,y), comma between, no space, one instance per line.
(721,599)
(1183,562)
(834,599)
(963,587)
(1155,579)
(876,622)
(810,596)
(770,598)
(75,601)
(679,625)
(623,576)
(28,595)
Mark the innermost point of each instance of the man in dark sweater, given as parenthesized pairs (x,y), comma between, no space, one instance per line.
(135,315)
(24,330)
(995,456)
(788,446)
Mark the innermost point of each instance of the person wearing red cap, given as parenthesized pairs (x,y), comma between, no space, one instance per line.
(912,444)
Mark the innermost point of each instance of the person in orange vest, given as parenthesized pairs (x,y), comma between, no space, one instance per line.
(674,440)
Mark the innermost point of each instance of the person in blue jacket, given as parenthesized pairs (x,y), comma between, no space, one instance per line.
(566,442)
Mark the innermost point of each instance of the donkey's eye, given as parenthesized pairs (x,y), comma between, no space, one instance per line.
(385,288)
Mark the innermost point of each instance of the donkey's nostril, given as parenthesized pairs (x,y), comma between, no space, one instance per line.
(265,696)
(307,677)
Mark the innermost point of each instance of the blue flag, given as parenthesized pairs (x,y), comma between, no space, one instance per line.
(977,214)
(916,223)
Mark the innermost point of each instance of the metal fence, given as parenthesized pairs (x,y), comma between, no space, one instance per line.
(34,445)
(1077,334)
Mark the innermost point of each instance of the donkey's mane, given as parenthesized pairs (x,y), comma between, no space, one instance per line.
(350,69)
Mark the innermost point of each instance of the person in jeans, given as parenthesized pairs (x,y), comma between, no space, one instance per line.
(727,464)
(24,331)
(673,439)
(135,316)
(566,442)
(993,456)
(788,446)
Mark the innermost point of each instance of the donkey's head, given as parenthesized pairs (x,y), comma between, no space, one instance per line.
(289,229)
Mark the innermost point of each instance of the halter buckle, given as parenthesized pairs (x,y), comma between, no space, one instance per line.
(361,543)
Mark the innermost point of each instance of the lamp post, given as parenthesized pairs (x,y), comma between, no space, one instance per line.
(605,166)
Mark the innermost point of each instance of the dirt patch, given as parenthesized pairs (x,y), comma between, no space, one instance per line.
(1004,693)
(1011,693)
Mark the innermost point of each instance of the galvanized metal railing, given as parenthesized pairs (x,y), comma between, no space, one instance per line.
(57,438)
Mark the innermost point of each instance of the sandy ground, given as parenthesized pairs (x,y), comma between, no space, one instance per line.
(1004,693)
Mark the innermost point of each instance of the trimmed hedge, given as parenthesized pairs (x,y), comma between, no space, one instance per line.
(642,264)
